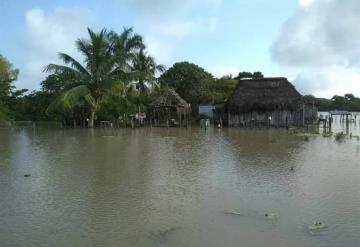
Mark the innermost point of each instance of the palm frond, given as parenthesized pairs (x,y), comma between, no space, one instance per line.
(74,95)
(160,68)
(74,64)
(55,106)
(84,47)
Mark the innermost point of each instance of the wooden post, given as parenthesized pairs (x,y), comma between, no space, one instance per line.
(303,114)
(138,116)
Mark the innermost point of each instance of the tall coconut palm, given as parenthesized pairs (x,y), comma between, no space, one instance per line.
(145,68)
(105,63)
(126,41)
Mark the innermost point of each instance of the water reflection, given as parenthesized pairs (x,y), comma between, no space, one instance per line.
(169,187)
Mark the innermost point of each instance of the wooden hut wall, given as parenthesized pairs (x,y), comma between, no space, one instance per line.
(278,118)
(311,113)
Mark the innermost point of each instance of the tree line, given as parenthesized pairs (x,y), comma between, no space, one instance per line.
(117,78)
(348,102)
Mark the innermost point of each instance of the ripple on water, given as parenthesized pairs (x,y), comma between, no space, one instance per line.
(170,187)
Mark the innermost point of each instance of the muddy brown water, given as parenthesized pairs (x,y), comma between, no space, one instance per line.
(170,187)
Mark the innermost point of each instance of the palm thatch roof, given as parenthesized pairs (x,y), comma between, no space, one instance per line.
(264,94)
(170,99)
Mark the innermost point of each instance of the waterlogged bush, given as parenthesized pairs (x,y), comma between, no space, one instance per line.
(339,137)
(4,123)
(327,134)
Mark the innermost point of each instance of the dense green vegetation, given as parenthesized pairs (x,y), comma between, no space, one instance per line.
(220,89)
(7,75)
(190,81)
(347,102)
(116,79)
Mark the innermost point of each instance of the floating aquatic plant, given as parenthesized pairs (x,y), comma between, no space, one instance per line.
(271,216)
(233,212)
(317,226)
(340,136)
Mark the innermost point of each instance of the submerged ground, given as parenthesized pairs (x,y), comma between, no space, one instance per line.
(159,187)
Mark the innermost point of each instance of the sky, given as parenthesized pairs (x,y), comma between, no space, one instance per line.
(314,43)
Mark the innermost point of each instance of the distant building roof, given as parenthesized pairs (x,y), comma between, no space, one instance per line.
(170,98)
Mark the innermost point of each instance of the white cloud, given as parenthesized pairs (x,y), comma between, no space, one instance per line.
(165,9)
(319,40)
(56,30)
(305,3)
(179,29)
(169,22)
(49,33)
(327,82)
(220,71)
(163,52)
(182,28)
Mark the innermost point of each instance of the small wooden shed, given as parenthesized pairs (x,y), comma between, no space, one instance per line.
(170,110)
(268,101)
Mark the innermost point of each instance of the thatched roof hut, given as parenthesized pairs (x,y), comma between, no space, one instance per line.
(264,94)
(170,110)
(169,98)
(268,101)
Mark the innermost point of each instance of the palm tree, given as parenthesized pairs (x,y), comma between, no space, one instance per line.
(145,68)
(106,63)
(127,41)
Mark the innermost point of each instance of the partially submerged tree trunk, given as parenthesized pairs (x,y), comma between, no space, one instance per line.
(94,108)
(92,118)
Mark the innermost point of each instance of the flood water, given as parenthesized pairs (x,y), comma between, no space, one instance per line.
(170,187)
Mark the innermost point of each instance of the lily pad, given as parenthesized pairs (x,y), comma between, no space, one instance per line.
(233,212)
(271,216)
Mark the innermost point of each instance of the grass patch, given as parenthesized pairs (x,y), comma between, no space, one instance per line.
(304,132)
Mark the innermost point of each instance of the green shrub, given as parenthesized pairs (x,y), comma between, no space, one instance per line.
(339,137)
